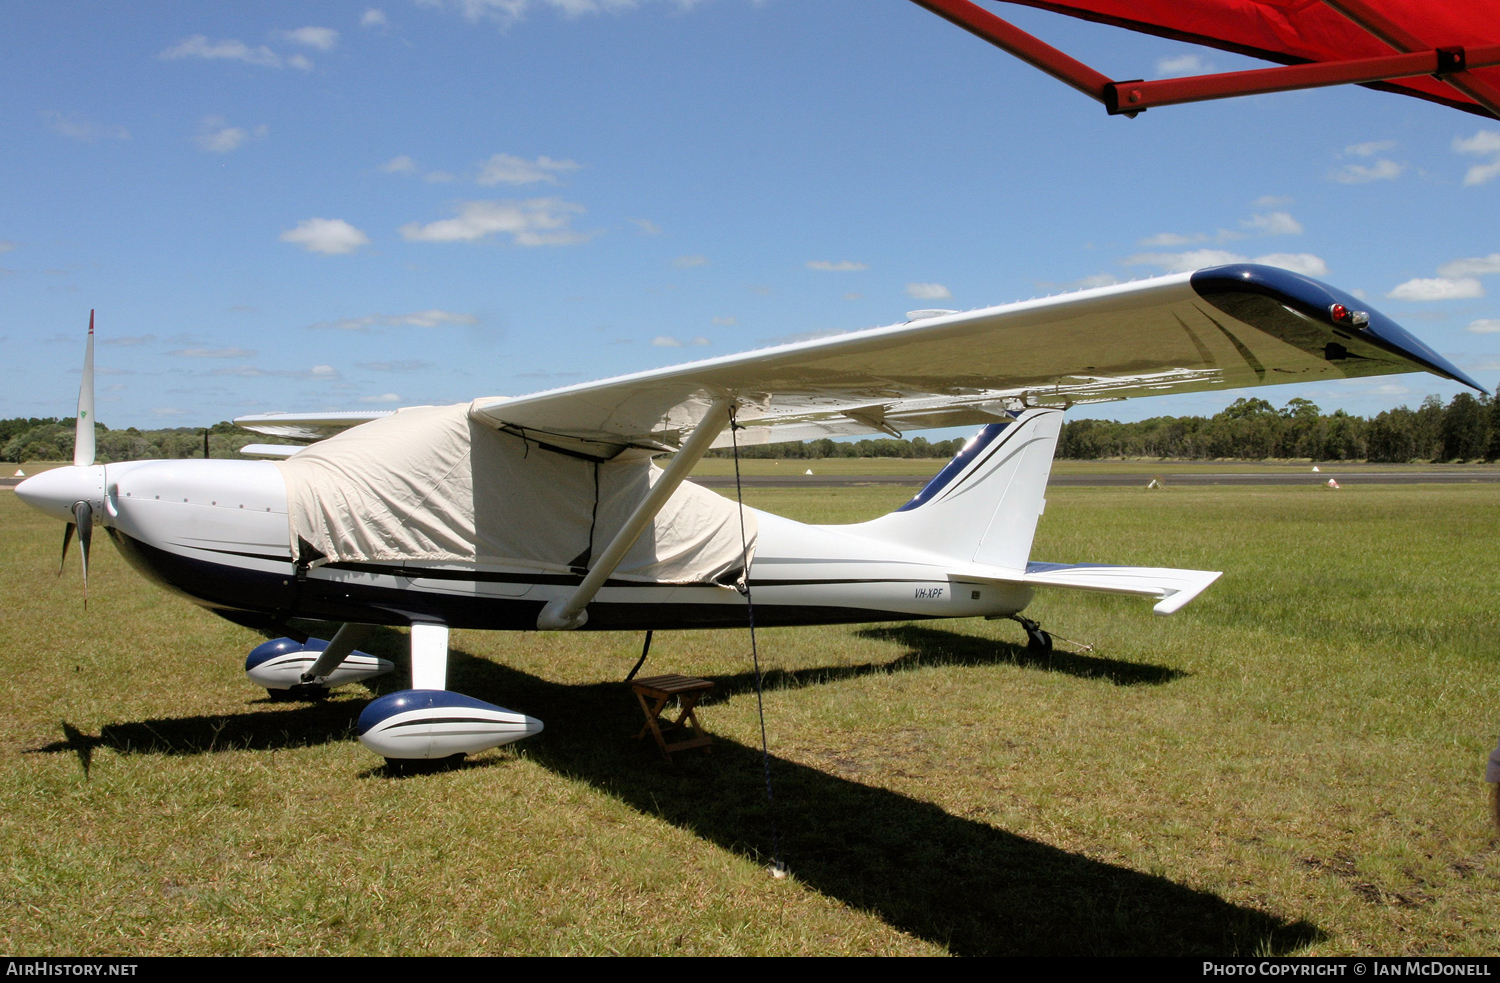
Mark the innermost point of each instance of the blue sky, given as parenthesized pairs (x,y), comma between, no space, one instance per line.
(349,206)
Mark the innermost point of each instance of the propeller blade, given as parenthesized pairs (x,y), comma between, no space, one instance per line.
(67,538)
(84,513)
(83,439)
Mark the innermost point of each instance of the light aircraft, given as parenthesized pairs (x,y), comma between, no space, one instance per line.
(546,512)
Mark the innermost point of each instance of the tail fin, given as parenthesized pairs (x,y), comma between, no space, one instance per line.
(983,507)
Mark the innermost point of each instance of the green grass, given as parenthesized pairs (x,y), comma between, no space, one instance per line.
(887,466)
(1292,764)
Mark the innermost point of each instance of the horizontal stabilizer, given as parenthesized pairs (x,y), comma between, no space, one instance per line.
(1172,588)
(274,452)
(307,426)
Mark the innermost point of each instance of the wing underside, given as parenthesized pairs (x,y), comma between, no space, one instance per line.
(1227,327)
(1222,328)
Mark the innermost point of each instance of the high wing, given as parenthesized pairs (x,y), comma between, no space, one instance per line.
(1225,327)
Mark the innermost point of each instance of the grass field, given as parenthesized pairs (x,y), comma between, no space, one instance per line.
(1292,764)
(884,466)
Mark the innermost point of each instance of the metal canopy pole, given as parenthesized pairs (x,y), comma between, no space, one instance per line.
(1393,34)
(1007,36)
(562,613)
(1129,97)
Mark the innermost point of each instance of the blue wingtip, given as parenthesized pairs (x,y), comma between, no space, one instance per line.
(1313,298)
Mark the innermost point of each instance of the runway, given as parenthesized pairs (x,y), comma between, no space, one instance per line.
(1132,480)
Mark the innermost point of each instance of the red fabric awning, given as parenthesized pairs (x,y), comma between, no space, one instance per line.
(1297,31)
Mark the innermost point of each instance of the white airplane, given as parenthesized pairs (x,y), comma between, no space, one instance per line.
(547,512)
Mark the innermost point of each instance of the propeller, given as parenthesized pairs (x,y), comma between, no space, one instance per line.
(84,452)
(83,515)
(83,438)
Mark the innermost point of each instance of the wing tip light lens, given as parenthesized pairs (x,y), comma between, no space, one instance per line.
(1343,315)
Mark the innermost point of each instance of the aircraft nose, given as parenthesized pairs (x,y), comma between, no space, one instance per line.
(54,492)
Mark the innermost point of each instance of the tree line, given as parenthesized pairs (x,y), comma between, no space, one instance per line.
(51,439)
(1466,429)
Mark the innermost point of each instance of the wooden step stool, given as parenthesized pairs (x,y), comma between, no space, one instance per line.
(661,689)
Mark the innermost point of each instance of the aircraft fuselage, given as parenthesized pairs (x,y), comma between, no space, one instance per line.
(217,532)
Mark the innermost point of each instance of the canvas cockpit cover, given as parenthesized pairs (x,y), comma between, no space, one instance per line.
(430,484)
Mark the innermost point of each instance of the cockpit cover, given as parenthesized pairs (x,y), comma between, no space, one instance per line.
(1295,31)
(429,484)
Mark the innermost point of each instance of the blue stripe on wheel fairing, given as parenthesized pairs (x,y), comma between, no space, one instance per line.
(955,467)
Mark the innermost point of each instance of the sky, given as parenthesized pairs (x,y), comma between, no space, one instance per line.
(334,206)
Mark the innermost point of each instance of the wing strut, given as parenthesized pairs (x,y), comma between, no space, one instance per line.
(563,613)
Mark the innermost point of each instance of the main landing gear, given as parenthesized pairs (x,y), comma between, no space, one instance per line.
(428,722)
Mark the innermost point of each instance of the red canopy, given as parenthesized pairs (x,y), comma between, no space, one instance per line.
(1350,41)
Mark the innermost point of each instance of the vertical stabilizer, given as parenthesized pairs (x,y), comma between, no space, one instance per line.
(983,507)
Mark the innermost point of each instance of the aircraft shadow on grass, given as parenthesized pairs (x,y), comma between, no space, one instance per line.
(966,885)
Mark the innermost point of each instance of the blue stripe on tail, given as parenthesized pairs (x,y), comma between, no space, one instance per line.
(955,467)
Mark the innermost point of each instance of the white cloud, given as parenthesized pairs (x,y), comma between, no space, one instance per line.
(82,129)
(6,247)
(928,291)
(214,353)
(1368,149)
(647,227)
(1485,325)
(300,61)
(383,398)
(1184,262)
(216,136)
(727,322)
(842,266)
(323,372)
(1473,266)
(505,169)
(1184,64)
(373,17)
(1305,263)
(1484,143)
(433,318)
(1196,259)
(198,46)
(1097,280)
(507,12)
(401,164)
(666,341)
(700,341)
(534,222)
(1382,170)
(404,365)
(1438,288)
(330,236)
(322,38)
(1167,239)
(1273,224)
(686,262)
